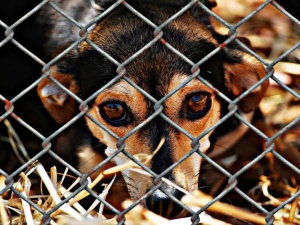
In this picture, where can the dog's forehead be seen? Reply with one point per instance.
(122, 34)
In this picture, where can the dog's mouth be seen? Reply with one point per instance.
(161, 204)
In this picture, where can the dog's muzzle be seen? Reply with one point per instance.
(163, 205)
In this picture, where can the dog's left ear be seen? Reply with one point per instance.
(242, 75)
(58, 103)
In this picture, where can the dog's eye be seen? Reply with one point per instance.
(197, 105)
(116, 113)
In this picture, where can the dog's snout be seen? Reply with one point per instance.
(163, 205)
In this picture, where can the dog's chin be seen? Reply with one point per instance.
(164, 206)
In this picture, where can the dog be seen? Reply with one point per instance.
(194, 107)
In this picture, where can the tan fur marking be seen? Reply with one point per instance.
(66, 110)
(185, 173)
(242, 76)
(124, 92)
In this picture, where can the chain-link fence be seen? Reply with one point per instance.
(260, 174)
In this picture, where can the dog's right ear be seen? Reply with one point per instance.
(60, 105)
(242, 71)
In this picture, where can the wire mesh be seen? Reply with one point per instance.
(45, 139)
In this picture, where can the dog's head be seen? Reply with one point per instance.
(158, 71)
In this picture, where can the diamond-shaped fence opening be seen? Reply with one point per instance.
(51, 170)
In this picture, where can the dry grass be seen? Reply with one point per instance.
(14, 210)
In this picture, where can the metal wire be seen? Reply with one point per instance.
(158, 36)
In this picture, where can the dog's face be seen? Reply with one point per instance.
(158, 71)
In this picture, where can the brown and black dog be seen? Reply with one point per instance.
(158, 71)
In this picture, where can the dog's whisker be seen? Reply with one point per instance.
(128, 177)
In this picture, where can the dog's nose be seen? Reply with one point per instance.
(163, 205)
